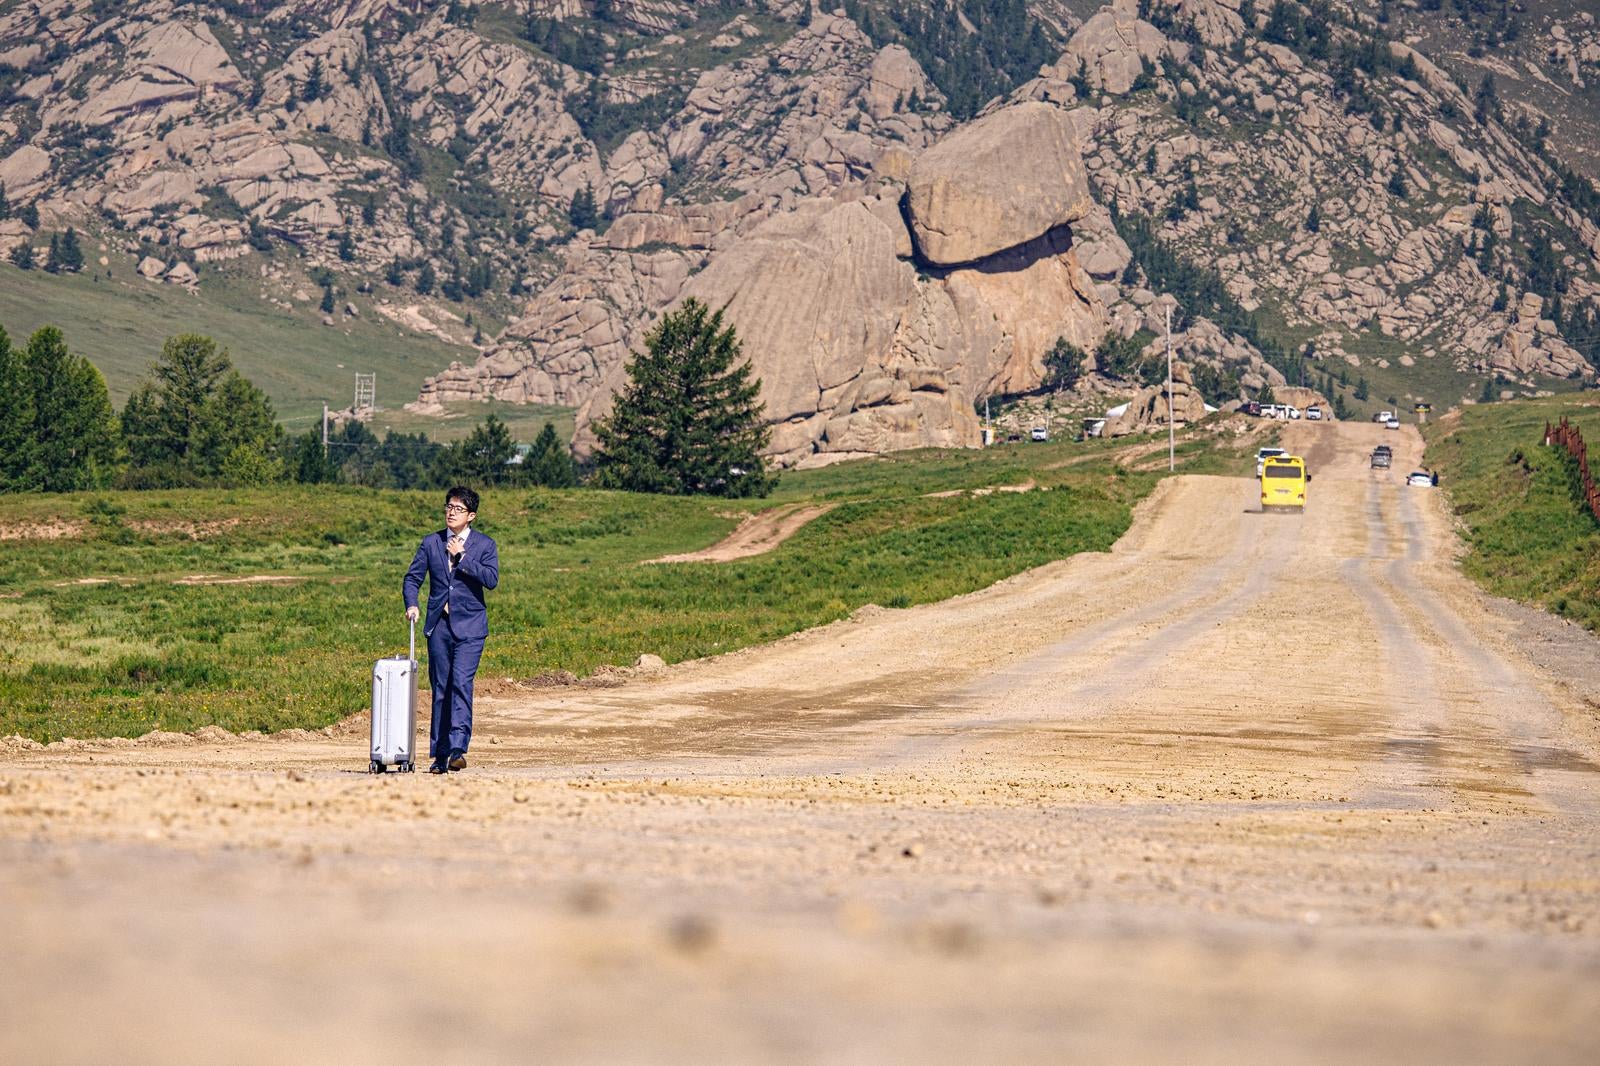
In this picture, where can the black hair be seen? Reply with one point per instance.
(464, 496)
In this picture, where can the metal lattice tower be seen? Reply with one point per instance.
(366, 392)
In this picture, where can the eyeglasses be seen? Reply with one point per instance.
(455, 508)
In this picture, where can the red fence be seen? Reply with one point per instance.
(1567, 436)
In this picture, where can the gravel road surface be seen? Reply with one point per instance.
(1247, 788)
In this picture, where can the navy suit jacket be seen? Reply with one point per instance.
(479, 569)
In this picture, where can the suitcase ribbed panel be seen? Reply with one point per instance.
(394, 708)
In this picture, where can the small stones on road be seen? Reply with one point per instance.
(589, 898)
(692, 934)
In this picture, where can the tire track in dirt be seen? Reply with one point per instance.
(1509, 733)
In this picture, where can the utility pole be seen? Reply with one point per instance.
(1172, 429)
(324, 429)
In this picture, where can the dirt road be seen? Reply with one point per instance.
(1246, 788)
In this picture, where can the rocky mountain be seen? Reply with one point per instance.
(904, 207)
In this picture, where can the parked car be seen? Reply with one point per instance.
(1381, 458)
(1420, 478)
(1383, 416)
(1039, 433)
(1314, 413)
(1393, 423)
(1251, 408)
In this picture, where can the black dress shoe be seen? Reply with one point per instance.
(436, 767)
(457, 760)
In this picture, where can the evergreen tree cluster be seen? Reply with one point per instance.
(58, 432)
(1199, 290)
(608, 122)
(568, 41)
(64, 253)
(195, 420)
(356, 456)
(1004, 47)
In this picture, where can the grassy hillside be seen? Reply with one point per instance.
(120, 323)
(99, 638)
(1530, 538)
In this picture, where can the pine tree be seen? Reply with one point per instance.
(549, 461)
(164, 416)
(52, 261)
(1488, 395)
(1397, 184)
(581, 213)
(16, 418)
(395, 274)
(22, 256)
(306, 461)
(688, 421)
(71, 251)
(347, 247)
(5, 205)
(327, 300)
(74, 439)
(482, 458)
(314, 86)
(1362, 389)
(425, 279)
(29, 214)
(237, 438)
(1314, 220)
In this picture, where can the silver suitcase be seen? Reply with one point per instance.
(394, 711)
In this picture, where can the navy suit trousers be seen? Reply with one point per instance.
(452, 663)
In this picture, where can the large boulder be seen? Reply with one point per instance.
(1112, 48)
(24, 171)
(1148, 410)
(997, 183)
(857, 355)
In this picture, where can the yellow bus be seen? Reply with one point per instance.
(1283, 483)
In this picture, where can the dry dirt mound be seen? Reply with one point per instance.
(756, 535)
(54, 529)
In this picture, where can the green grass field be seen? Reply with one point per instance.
(120, 324)
(1531, 539)
(98, 638)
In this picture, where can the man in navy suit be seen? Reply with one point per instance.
(460, 564)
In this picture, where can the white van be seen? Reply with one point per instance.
(1263, 454)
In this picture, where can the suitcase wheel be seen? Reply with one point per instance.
(375, 767)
